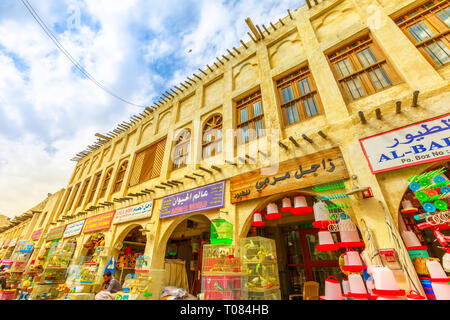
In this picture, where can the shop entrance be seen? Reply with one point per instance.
(183, 257)
(131, 247)
(299, 260)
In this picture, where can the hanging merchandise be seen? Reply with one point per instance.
(411, 241)
(326, 242)
(386, 287)
(349, 235)
(353, 262)
(301, 207)
(287, 205)
(414, 295)
(221, 232)
(332, 289)
(272, 212)
(257, 220)
(259, 256)
(322, 219)
(358, 290)
(408, 207)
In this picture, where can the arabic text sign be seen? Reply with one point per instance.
(99, 222)
(36, 234)
(55, 233)
(73, 229)
(138, 212)
(315, 169)
(200, 199)
(409, 146)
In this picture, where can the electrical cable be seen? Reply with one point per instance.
(69, 56)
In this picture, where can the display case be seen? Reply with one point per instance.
(259, 257)
(83, 281)
(224, 275)
(143, 286)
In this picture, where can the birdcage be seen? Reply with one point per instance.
(227, 287)
(221, 259)
(260, 259)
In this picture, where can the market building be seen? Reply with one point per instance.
(340, 101)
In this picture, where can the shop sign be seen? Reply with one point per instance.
(138, 212)
(13, 242)
(55, 233)
(195, 200)
(36, 234)
(73, 229)
(315, 169)
(100, 222)
(416, 144)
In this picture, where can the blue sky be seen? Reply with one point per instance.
(136, 48)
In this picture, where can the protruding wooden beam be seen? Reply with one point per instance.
(242, 160)
(190, 79)
(415, 98)
(159, 187)
(281, 21)
(309, 4)
(216, 168)
(323, 135)
(225, 58)
(255, 41)
(250, 24)
(250, 158)
(265, 29)
(231, 53)
(262, 35)
(290, 14)
(198, 175)
(189, 177)
(378, 113)
(99, 135)
(262, 153)
(294, 141)
(285, 147)
(179, 89)
(243, 43)
(220, 61)
(398, 107)
(273, 26)
(183, 86)
(232, 163)
(362, 117)
(202, 71)
(210, 69)
(206, 170)
(197, 76)
(237, 51)
(304, 136)
(166, 184)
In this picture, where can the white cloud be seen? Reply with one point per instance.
(134, 47)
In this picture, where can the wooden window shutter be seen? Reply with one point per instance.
(135, 174)
(148, 164)
(159, 155)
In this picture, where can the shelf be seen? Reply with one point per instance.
(134, 243)
(263, 289)
(260, 261)
(225, 274)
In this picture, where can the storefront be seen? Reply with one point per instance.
(412, 165)
(186, 223)
(281, 209)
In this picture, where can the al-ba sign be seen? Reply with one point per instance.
(416, 144)
(144, 210)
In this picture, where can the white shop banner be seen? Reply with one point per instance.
(73, 229)
(144, 210)
(416, 144)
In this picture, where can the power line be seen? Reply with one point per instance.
(49, 33)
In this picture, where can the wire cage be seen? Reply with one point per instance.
(224, 287)
(222, 259)
(260, 259)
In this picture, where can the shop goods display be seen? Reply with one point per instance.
(258, 220)
(82, 281)
(386, 287)
(326, 242)
(353, 262)
(332, 289)
(413, 295)
(259, 257)
(439, 280)
(142, 286)
(356, 287)
(350, 236)
(224, 275)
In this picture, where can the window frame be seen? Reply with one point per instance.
(120, 176)
(183, 142)
(362, 73)
(248, 102)
(430, 18)
(106, 179)
(83, 192)
(293, 80)
(214, 128)
(95, 185)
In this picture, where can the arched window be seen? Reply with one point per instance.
(181, 150)
(120, 176)
(106, 182)
(212, 136)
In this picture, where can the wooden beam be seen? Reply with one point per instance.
(362, 117)
(253, 29)
(273, 26)
(262, 35)
(290, 15)
(229, 162)
(294, 141)
(252, 37)
(323, 135)
(281, 21)
(189, 177)
(231, 53)
(415, 98)
(264, 27)
(101, 136)
(197, 76)
(285, 147)
(398, 107)
(243, 43)
(202, 71)
(378, 113)
(237, 51)
(304, 136)
(206, 170)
